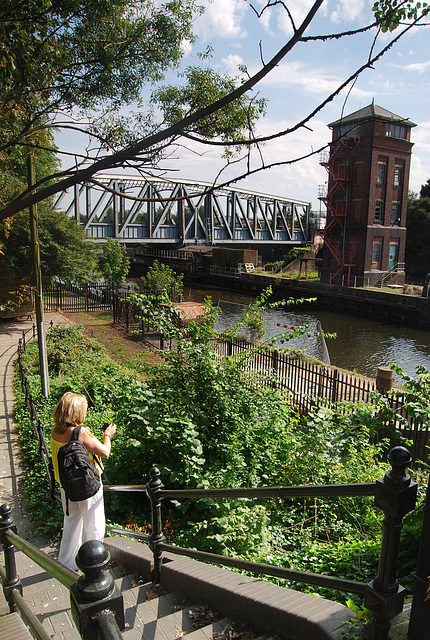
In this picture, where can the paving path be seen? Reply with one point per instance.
(48, 598)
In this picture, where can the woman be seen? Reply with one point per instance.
(84, 520)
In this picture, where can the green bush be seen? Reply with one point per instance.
(206, 422)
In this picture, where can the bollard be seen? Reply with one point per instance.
(384, 379)
(95, 594)
(395, 496)
(12, 579)
(153, 492)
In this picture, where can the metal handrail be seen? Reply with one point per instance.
(301, 491)
(66, 576)
(28, 616)
(317, 579)
(87, 592)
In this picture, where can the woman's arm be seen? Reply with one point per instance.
(94, 445)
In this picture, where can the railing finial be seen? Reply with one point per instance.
(400, 459)
(95, 595)
(92, 560)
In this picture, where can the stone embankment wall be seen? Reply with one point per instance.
(398, 308)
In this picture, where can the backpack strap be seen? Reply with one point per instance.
(96, 458)
(74, 438)
(76, 432)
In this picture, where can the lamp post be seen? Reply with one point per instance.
(37, 282)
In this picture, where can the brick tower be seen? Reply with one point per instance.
(366, 198)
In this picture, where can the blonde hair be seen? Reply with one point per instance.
(70, 411)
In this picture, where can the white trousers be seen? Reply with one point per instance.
(86, 521)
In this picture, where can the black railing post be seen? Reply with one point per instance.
(395, 495)
(153, 492)
(95, 595)
(275, 364)
(12, 579)
(419, 621)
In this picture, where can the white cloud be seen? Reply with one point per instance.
(310, 80)
(420, 161)
(186, 47)
(421, 67)
(231, 62)
(347, 10)
(298, 10)
(221, 18)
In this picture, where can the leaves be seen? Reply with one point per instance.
(114, 263)
(391, 13)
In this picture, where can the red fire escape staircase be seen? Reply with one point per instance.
(336, 217)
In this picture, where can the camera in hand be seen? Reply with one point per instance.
(106, 425)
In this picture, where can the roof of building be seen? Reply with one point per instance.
(372, 112)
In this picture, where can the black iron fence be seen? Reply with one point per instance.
(72, 298)
(308, 384)
(305, 384)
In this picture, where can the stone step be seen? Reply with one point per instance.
(153, 614)
(12, 627)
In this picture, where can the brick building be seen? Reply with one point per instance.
(366, 198)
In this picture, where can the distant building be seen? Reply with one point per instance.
(366, 197)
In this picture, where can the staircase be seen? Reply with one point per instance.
(201, 601)
(387, 276)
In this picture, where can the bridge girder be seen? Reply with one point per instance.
(183, 212)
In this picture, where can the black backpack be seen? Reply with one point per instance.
(78, 475)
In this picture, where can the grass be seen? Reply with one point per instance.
(122, 348)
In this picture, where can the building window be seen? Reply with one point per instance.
(356, 211)
(397, 131)
(397, 176)
(358, 173)
(379, 205)
(376, 253)
(341, 171)
(350, 130)
(395, 213)
(381, 173)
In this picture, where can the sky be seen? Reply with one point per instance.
(399, 82)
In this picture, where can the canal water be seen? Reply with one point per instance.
(361, 345)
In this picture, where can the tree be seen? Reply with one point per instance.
(417, 255)
(60, 60)
(114, 264)
(161, 277)
(65, 252)
(425, 190)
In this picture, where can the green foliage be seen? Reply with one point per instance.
(64, 250)
(417, 256)
(114, 264)
(85, 54)
(162, 277)
(206, 422)
(296, 252)
(416, 392)
(204, 86)
(391, 13)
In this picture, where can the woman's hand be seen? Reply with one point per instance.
(110, 430)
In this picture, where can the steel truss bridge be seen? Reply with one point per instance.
(158, 211)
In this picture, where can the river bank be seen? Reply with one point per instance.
(391, 307)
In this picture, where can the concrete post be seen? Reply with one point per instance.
(384, 379)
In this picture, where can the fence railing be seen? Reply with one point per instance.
(71, 298)
(306, 384)
(395, 495)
